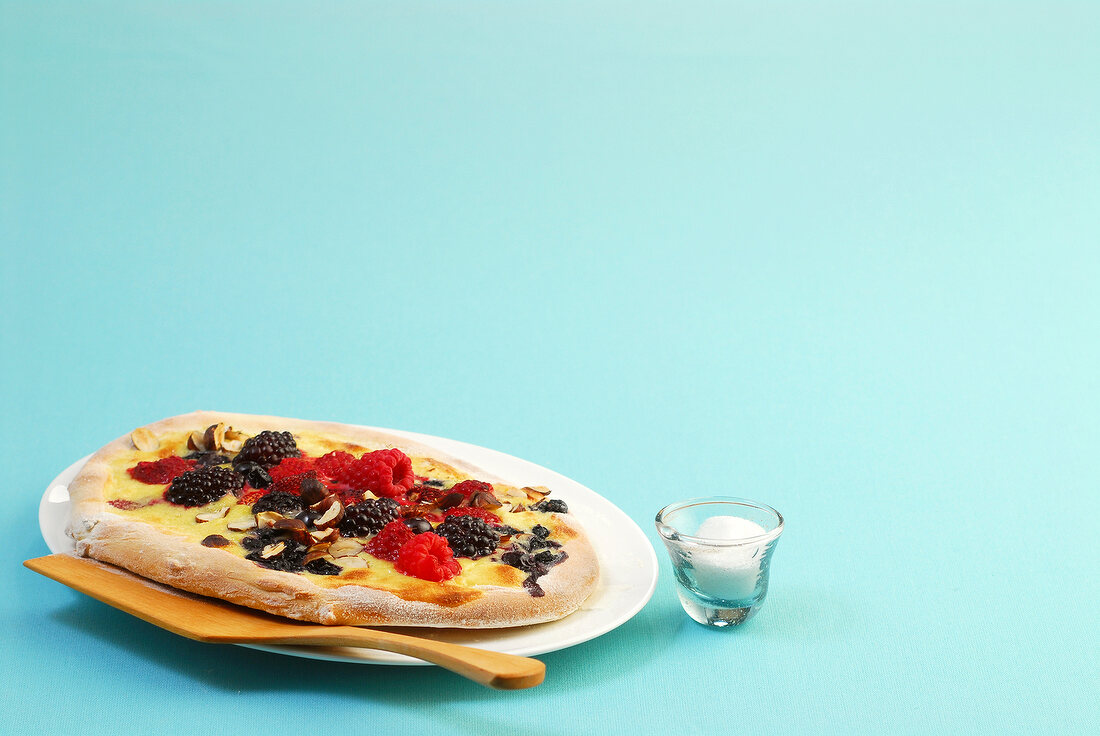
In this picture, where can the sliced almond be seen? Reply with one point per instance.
(266, 519)
(331, 517)
(484, 500)
(212, 515)
(197, 441)
(144, 440)
(325, 503)
(213, 436)
(345, 548)
(536, 494)
(348, 562)
(315, 552)
(325, 535)
(233, 440)
(272, 549)
(242, 525)
(297, 527)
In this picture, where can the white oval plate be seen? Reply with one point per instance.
(628, 564)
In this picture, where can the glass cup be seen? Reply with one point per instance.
(721, 549)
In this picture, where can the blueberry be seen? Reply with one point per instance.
(418, 526)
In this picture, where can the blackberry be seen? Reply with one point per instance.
(468, 536)
(285, 503)
(267, 449)
(368, 517)
(555, 505)
(256, 475)
(540, 531)
(201, 486)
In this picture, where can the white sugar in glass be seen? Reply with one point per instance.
(721, 551)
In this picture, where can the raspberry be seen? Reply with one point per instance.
(368, 517)
(335, 465)
(160, 472)
(202, 486)
(384, 472)
(467, 487)
(292, 483)
(429, 494)
(251, 496)
(390, 540)
(469, 536)
(291, 466)
(487, 516)
(427, 556)
(267, 449)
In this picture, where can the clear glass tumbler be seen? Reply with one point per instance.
(721, 549)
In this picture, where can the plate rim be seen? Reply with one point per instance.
(50, 515)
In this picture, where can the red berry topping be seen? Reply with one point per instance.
(390, 540)
(160, 472)
(386, 473)
(291, 466)
(468, 487)
(427, 556)
(291, 483)
(336, 465)
(484, 514)
(252, 495)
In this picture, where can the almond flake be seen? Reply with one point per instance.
(212, 515)
(272, 549)
(331, 517)
(264, 519)
(144, 440)
(197, 441)
(234, 440)
(325, 535)
(351, 562)
(241, 525)
(213, 436)
(345, 548)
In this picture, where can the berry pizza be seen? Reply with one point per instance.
(329, 523)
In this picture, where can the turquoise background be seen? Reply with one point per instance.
(842, 258)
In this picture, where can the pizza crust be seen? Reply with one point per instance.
(161, 555)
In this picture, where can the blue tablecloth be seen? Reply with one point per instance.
(840, 257)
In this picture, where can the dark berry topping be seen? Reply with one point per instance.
(536, 564)
(540, 531)
(256, 474)
(469, 536)
(287, 559)
(208, 458)
(418, 526)
(554, 505)
(267, 449)
(285, 503)
(368, 517)
(201, 486)
(260, 538)
(323, 567)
